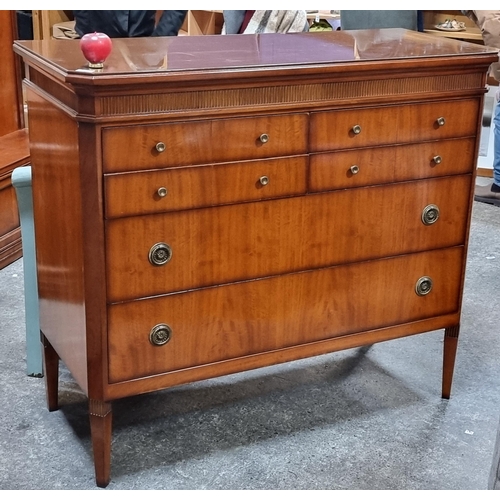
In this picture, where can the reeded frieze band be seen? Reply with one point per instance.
(289, 94)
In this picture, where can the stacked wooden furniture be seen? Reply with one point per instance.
(14, 147)
(44, 21)
(202, 22)
(265, 199)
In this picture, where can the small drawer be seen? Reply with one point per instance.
(177, 251)
(333, 130)
(160, 335)
(202, 142)
(208, 185)
(368, 166)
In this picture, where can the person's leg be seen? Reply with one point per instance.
(491, 192)
(496, 146)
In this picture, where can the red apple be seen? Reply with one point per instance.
(96, 47)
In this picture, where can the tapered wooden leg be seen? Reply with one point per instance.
(100, 428)
(449, 354)
(51, 373)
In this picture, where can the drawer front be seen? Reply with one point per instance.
(239, 242)
(202, 142)
(191, 187)
(227, 322)
(334, 130)
(363, 167)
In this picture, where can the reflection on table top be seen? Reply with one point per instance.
(256, 53)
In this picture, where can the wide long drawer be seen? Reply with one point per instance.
(183, 330)
(333, 130)
(156, 254)
(180, 188)
(142, 147)
(362, 167)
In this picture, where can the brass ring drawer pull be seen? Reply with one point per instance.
(264, 138)
(160, 147)
(160, 254)
(423, 286)
(437, 159)
(430, 214)
(356, 129)
(264, 180)
(162, 192)
(441, 121)
(160, 334)
(354, 169)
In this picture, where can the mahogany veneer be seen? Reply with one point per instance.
(14, 152)
(14, 146)
(201, 211)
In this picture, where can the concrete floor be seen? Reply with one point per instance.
(362, 419)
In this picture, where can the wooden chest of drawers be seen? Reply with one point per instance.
(203, 215)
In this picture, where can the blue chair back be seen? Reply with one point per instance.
(375, 19)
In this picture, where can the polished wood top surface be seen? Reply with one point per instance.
(168, 56)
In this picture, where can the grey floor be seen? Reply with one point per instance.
(362, 419)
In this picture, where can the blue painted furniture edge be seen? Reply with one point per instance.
(21, 180)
